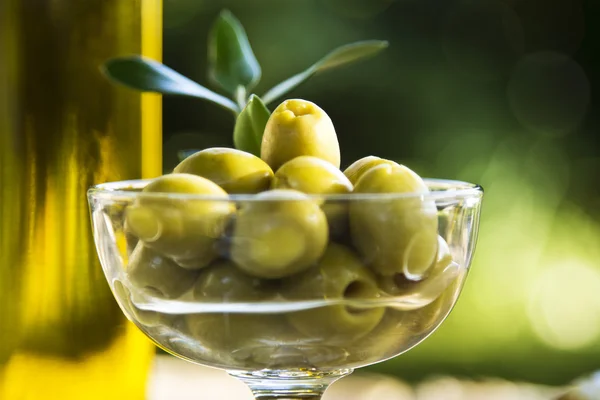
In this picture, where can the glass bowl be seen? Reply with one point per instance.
(287, 293)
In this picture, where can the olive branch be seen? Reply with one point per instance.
(234, 68)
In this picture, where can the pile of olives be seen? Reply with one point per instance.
(284, 227)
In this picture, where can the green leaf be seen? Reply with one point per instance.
(231, 60)
(250, 126)
(148, 75)
(341, 56)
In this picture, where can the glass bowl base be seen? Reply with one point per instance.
(299, 384)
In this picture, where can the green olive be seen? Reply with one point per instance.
(359, 167)
(136, 315)
(299, 128)
(148, 270)
(282, 233)
(400, 330)
(395, 234)
(339, 276)
(223, 282)
(184, 229)
(312, 175)
(234, 170)
(438, 278)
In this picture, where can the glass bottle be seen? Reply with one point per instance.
(63, 128)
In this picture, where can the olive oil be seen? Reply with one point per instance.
(63, 128)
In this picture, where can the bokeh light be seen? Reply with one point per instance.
(549, 93)
(483, 39)
(565, 305)
(557, 25)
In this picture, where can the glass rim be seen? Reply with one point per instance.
(130, 190)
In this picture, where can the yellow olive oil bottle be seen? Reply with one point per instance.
(63, 128)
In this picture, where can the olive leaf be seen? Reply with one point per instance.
(231, 60)
(341, 56)
(151, 76)
(233, 67)
(250, 126)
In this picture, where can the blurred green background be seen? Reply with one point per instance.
(495, 92)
